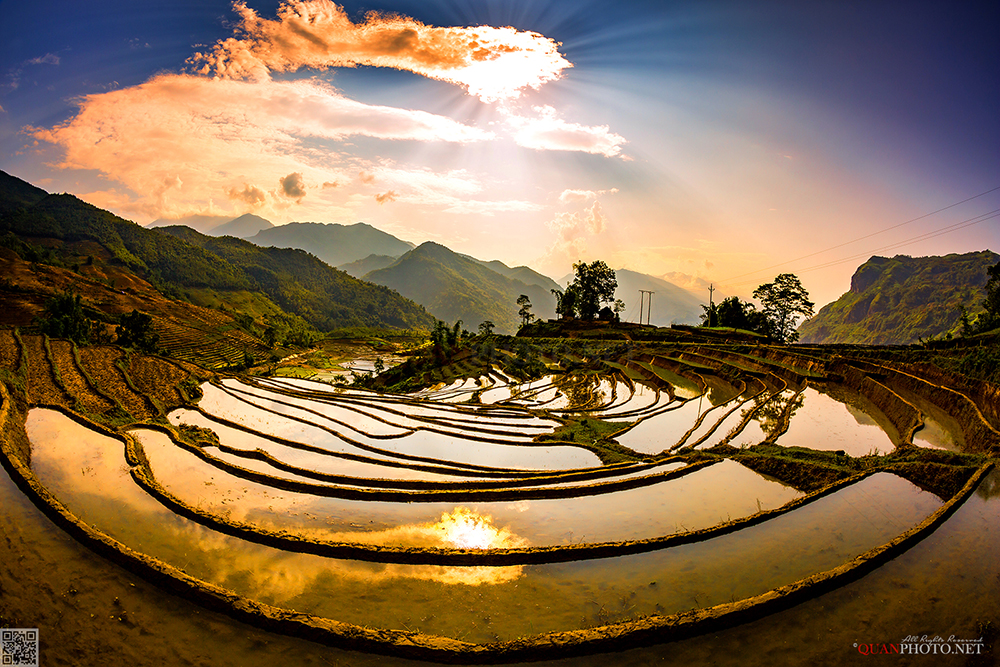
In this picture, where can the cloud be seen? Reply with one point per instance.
(366, 177)
(575, 196)
(386, 197)
(218, 135)
(453, 191)
(572, 231)
(548, 132)
(590, 220)
(250, 194)
(330, 184)
(490, 63)
(47, 59)
(14, 74)
(292, 186)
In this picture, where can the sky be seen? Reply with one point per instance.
(703, 141)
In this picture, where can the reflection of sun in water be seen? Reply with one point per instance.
(466, 529)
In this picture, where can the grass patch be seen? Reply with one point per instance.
(940, 472)
(594, 434)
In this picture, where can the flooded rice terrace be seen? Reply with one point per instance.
(436, 524)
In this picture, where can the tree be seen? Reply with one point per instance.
(736, 314)
(594, 285)
(64, 318)
(565, 302)
(135, 329)
(990, 319)
(710, 318)
(782, 301)
(486, 328)
(525, 313)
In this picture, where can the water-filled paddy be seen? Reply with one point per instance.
(821, 422)
(661, 431)
(301, 426)
(475, 603)
(700, 499)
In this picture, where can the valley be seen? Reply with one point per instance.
(316, 466)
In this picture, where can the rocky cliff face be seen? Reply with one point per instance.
(902, 299)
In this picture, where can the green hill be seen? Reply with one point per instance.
(452, 286)
(526, 275)
(359, 268)
(903, 299)
(179, 261)
(332, 243)
(301, 283)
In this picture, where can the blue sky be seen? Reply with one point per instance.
(710, 140)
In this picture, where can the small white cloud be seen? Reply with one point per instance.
(549, 132)
(575, 196)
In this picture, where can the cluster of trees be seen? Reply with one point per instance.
(989, 319)
(446, 340)
(66, 317)
(782, 302)
(591, 294)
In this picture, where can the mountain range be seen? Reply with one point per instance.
(899, 300)
(183, 263)
(247, 224)
(454, 286)
(333, 243)
(669, 304)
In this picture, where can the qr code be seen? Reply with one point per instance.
(19, 646)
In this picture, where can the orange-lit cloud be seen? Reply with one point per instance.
(386, 197)
(292, 186)
(549, 132)
(178, 141)
(250, 194)
(491, 63)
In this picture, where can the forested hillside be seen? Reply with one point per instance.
(452, 286)
(181, 261)
(902, 299)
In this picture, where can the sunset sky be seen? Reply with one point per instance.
(728, 141)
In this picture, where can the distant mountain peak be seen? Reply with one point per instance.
(246, 225)
(333, 243)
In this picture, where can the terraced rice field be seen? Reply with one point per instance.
(472, 521)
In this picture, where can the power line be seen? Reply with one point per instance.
(860, 238)
(968, 222)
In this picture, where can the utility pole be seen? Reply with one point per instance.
(649, 308)
(711, 306)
